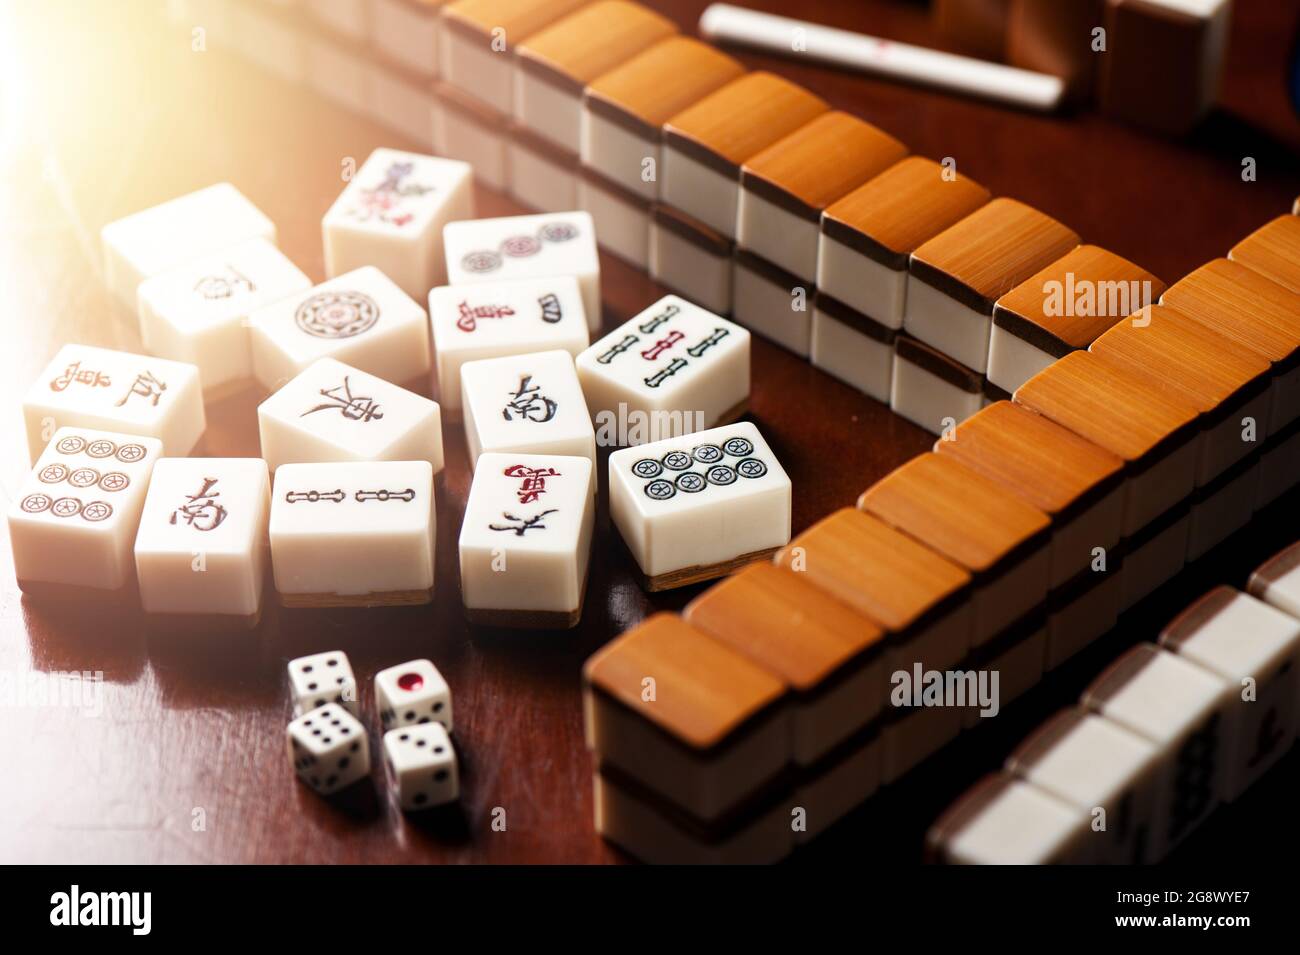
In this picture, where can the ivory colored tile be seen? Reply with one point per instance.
(829, 655)
(690, 258)
(707, 729)
(1005, 821)
(406, 32)
(541, 175)
(556, 63)
(623, 110)
(957, 276)
(930, 389)
(1273, 250)
(1155, 435)
(784, 188)
(997, 537)
(471, 131)
(1277, 581)
(868, 236)
(1260, 314)
(772, 302)
(1064, 307)
(348, 18)
(706, 144)
(621, 216)
(852, 347)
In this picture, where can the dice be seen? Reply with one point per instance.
(198, 312)
(201, 549)
(321, 679)
(88, 387)
(530, 404)
(390, 215)
(672, 369)
(361, 317)
(421, 766)
(73, 523)
(335, 412)
(412, 694)
(328, 748)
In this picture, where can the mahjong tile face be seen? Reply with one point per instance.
(361, 318)
(334, 412)
(73, 521)
(471, 322)
(527, 404)
(91, 387)
(676, 359)
(695, 503)
(521, 247)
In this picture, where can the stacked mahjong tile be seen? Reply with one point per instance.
(1161, 738)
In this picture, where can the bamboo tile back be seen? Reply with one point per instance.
(663, 80)
(596, 39)
(517, 18)
(1273, 250)
(1241, 304)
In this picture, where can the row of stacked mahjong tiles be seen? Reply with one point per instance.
(750, 196)
(1159, 740)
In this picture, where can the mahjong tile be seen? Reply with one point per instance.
(701, 505)
(671, 369)
(334, 412)
(1006, 821)
(86, 387)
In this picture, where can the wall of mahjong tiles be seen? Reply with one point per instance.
(111, 110)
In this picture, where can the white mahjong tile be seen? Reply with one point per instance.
(198, 312)
(361, 318)
(74, 519)
(360, 532)
(471, 322)
(391, 213)
(334, 412)
(1005, 821)
(407, 33)
(1277, 581)
(527, 404)
(699, 500)
(678, 367)
(525, 540)
(156, 239)
(201, 547)
(525, 247)
(87, 387)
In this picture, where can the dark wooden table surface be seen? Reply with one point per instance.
(105, 109)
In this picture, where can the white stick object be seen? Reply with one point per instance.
(1007, 84)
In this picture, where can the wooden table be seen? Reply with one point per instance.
(184, 760)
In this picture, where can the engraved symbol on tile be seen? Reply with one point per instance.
(652, 324)
(661, 346)
(384, 495)
(520, 246)
(751, 468)
(521, 525)
(551, 310)
(527, 403)
(707, 453)
(480, 262)
(114, 481)
(617, 349)
(36, 503)
(74, 374)
(72, 444)
(84, 477)
(677, 460)
(148, 386)
(66, 507)
(224, 285)
(647, 468)
(1194, 777)
(311, 497)
(384, 200)
(97, 511)
(704, 344)
(130, 453)
(533, 481)
(663, 374)
(350, 406)
(557, 232)
(201, 510)
(738, 447)
(721, 475)
(690, 482)
(53, 473)
(101, 448)
(660, 490)
(470, 315)
(343, 314)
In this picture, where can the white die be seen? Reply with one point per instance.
(391, 214)
(672, 369)
(328, 748)
(86, 387)
(525, 541)
(201, 547)
(73, 521)
(334, 412)
(412, 693)
(198, 312)
(701, 501)
(320, 679)
(527, 247)
(502, 318)
(164, 236)
(422, 765)
(361, 318)
(353, 533)
(528, 404)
